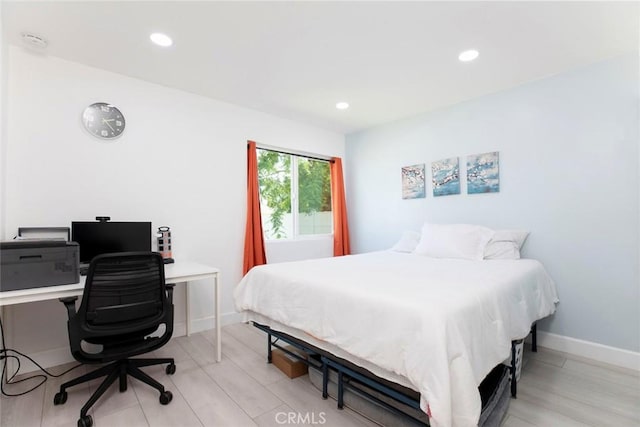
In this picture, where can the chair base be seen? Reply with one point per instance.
(117, 370)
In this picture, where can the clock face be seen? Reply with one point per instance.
(103, 120)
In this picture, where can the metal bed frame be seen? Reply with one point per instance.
(350, 379)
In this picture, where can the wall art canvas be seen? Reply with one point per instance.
(413, 182)
(445, 177)
(483, 173)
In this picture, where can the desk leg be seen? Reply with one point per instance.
(217, 317)
(188, 307)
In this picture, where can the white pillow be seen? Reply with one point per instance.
(464, 241)
(505, 244)
(408, 242)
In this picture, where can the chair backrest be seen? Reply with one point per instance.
(125, 299)
(124, 289)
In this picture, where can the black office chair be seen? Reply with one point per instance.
(125, 300)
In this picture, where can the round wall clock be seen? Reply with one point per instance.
(103, 120)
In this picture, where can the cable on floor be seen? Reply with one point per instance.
(5, 379)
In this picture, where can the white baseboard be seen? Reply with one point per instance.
(62, 355)
(206, 323)
(59, 356)
(230, 318)
(46, 359)
(602, 353)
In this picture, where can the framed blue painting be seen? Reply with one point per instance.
(483, 173)
(413, 182)
(445, 177)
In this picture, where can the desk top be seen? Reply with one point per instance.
(178, 272)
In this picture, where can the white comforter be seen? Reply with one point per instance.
(441, 323)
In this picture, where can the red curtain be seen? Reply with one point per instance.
(339, 207)
(253, 236)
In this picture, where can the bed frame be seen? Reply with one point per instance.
(349, 377)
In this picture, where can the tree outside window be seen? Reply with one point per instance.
(295, 195)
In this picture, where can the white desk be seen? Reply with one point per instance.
(179, 272)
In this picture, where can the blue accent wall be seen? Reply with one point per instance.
(568, 150)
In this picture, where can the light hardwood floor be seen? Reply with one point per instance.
(555, 389)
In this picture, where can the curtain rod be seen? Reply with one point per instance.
(293, 154)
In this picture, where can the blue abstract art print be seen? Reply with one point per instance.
(483, 173)
(445, 177)
(413, 182)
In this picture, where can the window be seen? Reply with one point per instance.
(295, 195)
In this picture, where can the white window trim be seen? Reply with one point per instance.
(294, 194)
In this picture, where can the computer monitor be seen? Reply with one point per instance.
(96, 238)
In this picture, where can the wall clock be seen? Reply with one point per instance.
(103, 120)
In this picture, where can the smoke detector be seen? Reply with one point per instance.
(34, 41)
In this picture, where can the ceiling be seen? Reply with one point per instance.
(389, 60)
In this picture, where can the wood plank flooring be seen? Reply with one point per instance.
(555, 389)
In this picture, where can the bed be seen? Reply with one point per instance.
(437, 326)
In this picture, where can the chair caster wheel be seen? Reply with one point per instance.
(171, 369)
(86, 421)
(165, 397)
(60, 398)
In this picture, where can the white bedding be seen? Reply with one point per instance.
(443, 324)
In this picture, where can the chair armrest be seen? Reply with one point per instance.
(169, 287)
(70, 303)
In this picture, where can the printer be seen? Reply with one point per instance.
(28, 264)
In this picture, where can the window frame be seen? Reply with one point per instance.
(294, 197)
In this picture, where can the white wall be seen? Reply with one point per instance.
(290, 250)
(3, 122)
(181, 162)
(568, 173)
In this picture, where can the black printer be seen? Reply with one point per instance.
(35, 263)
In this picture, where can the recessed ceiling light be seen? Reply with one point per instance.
(161, 39)
(342, 105)
(468, 55)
